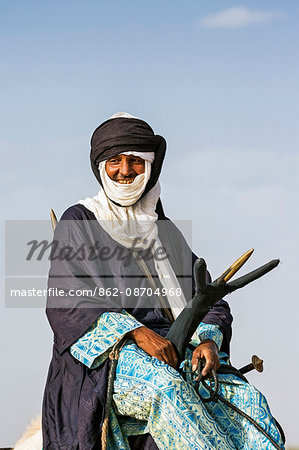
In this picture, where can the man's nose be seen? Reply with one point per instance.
(126, 168)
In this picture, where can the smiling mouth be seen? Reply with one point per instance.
(128, 181)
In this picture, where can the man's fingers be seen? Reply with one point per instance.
(252, 276)
(194, 363)
(209, 364)
(208, 367)
(168, 355)
(200, 269)
(174, 358)
(171, 357)
(207, 353)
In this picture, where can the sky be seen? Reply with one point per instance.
(219, 80)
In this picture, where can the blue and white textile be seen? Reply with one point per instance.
(93, 347)
(152, 397)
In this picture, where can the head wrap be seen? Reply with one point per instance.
(121, 134)
(147, 156)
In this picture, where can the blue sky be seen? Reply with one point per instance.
(219, 80)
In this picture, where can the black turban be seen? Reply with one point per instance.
(121, 135)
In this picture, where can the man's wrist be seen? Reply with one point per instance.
(133, 335)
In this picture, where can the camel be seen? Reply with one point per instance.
(32, 438)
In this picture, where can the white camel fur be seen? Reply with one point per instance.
(32, 438)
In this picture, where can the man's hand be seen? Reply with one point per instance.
(155, 345)
(206, 296)
(209, 351)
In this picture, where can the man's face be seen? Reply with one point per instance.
(124, 168)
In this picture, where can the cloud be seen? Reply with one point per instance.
(238, 17)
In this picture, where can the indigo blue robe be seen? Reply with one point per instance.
(74, 397)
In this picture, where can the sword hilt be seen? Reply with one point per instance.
(256, 364)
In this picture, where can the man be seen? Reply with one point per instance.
(127, 288)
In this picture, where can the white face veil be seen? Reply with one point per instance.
(127, 194)
(136, 218)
